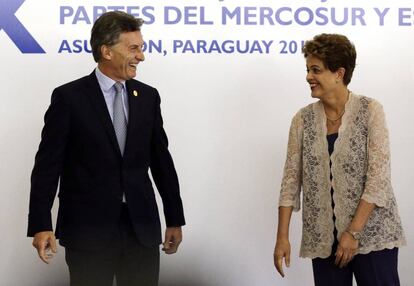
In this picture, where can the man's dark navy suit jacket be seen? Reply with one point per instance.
(80, 148)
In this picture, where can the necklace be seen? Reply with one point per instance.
(333, 121)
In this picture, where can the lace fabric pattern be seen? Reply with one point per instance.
(360, 170)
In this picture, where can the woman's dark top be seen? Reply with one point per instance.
(331, 141)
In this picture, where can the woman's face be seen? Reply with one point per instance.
(321, 80)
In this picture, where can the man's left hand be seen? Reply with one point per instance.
(173, 238)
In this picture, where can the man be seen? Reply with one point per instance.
(102, 132)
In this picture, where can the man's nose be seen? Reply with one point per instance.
(140, 56)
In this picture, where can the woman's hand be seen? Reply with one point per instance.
(282, 250)
(346, 249)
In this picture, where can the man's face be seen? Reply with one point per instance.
(125, 56)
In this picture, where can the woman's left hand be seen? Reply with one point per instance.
(346, 250)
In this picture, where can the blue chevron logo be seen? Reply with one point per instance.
(11, 25)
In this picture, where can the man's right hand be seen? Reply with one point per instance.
(45, 243)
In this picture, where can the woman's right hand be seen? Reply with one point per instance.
(282, 250)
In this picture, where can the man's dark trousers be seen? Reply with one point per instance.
(127, 259)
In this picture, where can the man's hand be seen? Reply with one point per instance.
(173, 238)
(346, 249)
(282, 250)
(45, 243)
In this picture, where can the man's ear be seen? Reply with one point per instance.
(106, 52)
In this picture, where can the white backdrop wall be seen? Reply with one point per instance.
(227, 116)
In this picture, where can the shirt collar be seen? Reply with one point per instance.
(106, 83)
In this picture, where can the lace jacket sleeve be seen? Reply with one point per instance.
(292, 175)
(378, 189)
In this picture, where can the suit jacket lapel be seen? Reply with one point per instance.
(95, 94)
(135, 112)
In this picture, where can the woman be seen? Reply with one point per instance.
(338, 154)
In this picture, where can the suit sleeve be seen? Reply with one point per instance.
(48, 165)
(163, 172)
